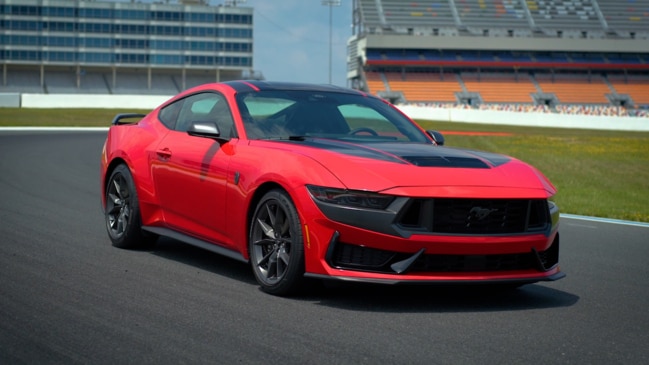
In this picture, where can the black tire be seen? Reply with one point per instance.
(122, 215)
(276, 244)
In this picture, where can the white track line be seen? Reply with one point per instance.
(605, 220)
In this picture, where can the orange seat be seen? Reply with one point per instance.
(578, 91)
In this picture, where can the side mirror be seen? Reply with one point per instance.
(206, 130)
(437, 137)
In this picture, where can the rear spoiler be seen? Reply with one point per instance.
(118, 118)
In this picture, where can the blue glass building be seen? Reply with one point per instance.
(119, 47)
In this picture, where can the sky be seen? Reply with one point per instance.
(291, 40)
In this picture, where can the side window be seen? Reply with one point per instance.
(169, 114)
(206, 107)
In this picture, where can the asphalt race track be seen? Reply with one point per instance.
(67, 296)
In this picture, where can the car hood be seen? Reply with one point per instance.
(403, 168)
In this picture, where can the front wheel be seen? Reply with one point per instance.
(276, 244)
(123, 221)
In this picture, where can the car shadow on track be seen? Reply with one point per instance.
(431, 298)
(202, 259)
(381, 298)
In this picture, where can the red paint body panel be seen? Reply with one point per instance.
(207, 189)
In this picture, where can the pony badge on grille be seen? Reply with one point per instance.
(478, 214)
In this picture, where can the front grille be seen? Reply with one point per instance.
(475, 216)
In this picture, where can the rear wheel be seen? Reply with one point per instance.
(123, 220)
(276, 244)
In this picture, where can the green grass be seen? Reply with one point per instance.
(59, 117)
(597, 173)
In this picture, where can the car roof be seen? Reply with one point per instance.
(256, 85)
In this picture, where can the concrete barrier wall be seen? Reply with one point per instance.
(527, 119)
(67, 101)
(130, 102)
(9, 100)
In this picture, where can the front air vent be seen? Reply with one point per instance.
(353, 257)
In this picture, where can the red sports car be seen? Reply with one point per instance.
(306, 181)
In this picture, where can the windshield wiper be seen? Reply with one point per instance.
(298, 138)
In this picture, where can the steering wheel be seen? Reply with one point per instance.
(363, 129)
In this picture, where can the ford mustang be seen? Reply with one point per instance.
(313, 181)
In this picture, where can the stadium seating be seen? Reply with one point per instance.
(22, 81)
(61, 82)
(635, 87)
(568, 81)
(131, 82)
(501, 87)
(406, 16)
(627, 16)
(94, 83)
(444, 74)
(425, 86)
(375, 82)
(66, 81)
(564, 15)
(507, 14)
(575, 89)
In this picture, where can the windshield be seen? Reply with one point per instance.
(281, 114)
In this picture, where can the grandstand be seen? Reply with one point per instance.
(119, 47)
(493, 52)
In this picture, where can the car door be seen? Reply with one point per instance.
(191, 173)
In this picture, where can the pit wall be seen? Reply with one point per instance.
(534, 119)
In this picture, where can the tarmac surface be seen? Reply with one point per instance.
(68, 296)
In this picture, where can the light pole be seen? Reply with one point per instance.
(330, 4)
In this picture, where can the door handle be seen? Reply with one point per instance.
(164, 153)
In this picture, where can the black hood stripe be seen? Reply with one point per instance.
(419, 154)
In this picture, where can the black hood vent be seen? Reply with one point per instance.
(446, 161)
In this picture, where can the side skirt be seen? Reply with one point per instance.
(166, 232)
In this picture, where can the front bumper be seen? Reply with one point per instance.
(426, 240)
(358, 263)
(354, 257)
(488, 280)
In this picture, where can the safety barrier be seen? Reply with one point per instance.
(534, 119)
(531, 119)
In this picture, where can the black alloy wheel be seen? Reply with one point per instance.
(276, 244)
(123, 221)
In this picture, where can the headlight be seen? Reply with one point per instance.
(350, 198)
